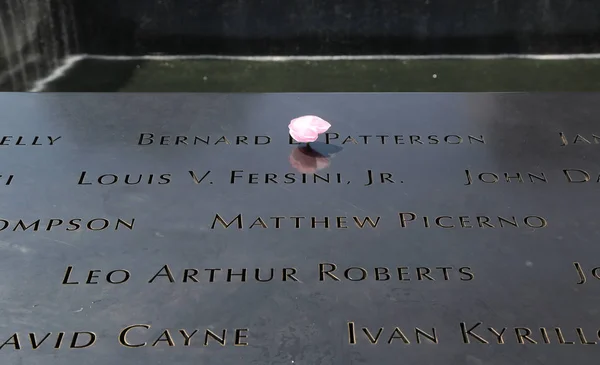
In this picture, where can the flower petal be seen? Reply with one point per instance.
(319, 124)
(307, 135)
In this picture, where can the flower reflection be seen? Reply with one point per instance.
(306, 160)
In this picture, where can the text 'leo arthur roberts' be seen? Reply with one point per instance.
(403, 220)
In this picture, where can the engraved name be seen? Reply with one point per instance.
(331, 272)
(326, 271)
(405, 220)
(56, 340)
(125, 179)
(581, 176)
(408, 219)
(399, 139)
(147, 139)
(389, 336)
(278, 222)
(471, 333)
(70, 225)
(241, 176)
(28, 141)
(133, 336)
(491, 177)
(182, 337)
(476, 333)
(585, 139)
(506, 177)
(581, 273)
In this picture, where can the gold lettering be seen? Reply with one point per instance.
(257, 276)
(351, 333)
(421, 274)
(580, 273)
(544, 335)
(370, 336)
(167, 274)
(123, 335)
(240, 334)
(59, 339)
(290, 274)
(403, 220)
(33, 340)
(258, 222)
(230, 274)
(322, 272)
(469, 332)
(584, 178)
(524, 336)
(12, 340)
(314, 222)
(561, 338)
(67, 275)
(90, 342)
(167, 338)
(398, 334)
(361, 224)
(363, 274)
(467, 272)
(432, 338)
(498, 334)
(220, 340)
(563, 139)
(237, 219)
(582, 338)
(187, 275)
(187, 337)
(580, 137)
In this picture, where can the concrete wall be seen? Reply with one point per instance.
(35, 35)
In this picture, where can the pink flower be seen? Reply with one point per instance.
(307, 128)
(307, 161)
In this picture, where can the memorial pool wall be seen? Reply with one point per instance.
(36, 35)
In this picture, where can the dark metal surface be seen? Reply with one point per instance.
(519, 279)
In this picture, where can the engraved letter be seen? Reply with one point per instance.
(239, 336)
(146, 137)
(187, 337)
(81, 178)
(167, 338)
(237, 219)
(469, 332)
(361, 224)
(322, 272)
(524, 336)
(582, 179)
(167, 274)
(403, 220)
(563, 139)
(419, 332)
(123, 335)
(220, 340)
(580, 273)
(88, 344)
(370, 336)
(15, 342)
(196, 180)
(469, 179)
(33, 340)
(351, 333)
(67, 275)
